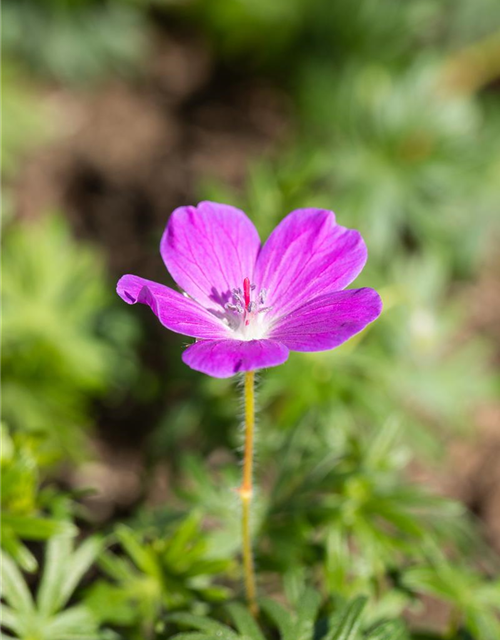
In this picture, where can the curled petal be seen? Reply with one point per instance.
(328, 320)
(209, 250)
(174, 310)
(307, 255)
(225, 358)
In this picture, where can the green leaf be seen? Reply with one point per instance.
(10, 619)
(183, 535)
(20, 554)
(76, 623)
(80, 563)
(139, 553)
(63, 570)
(391, 630)
(116, 567)
(279, 615)
(345, 624)
(15, 590)
(195, 635)
(244, 621)
(222, 631)
(54, 573)
(33, 528)
(306, 615)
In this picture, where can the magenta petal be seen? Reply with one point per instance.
(308, 254)
(209, 250)
(174, 310)
(225, 358)
(328, 320)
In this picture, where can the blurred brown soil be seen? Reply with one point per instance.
(127, 154)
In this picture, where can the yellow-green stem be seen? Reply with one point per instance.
(246, 491)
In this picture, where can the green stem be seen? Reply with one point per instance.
(246, 493)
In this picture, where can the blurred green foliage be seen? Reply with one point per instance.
(63, 342)
(343, 624)
(75, 42)
(401, 161)
(23, 127)
(336, 508)
(22, 501)
(476, 604)
(160, 571)
(47, 617)
(394, 125)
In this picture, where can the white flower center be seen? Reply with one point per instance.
(246, 317)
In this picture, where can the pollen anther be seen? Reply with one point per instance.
(234, 307)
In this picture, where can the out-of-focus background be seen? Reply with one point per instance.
(116, 112)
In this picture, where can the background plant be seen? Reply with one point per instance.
(386, 112)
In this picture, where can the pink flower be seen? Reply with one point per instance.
(247, 305)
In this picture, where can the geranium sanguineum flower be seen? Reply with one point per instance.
(248, 305)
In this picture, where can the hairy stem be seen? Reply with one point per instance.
(246, 491)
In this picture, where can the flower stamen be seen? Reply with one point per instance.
(234, 307)
(238, 295)
(250, 324)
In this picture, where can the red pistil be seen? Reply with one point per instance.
(246, 292)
